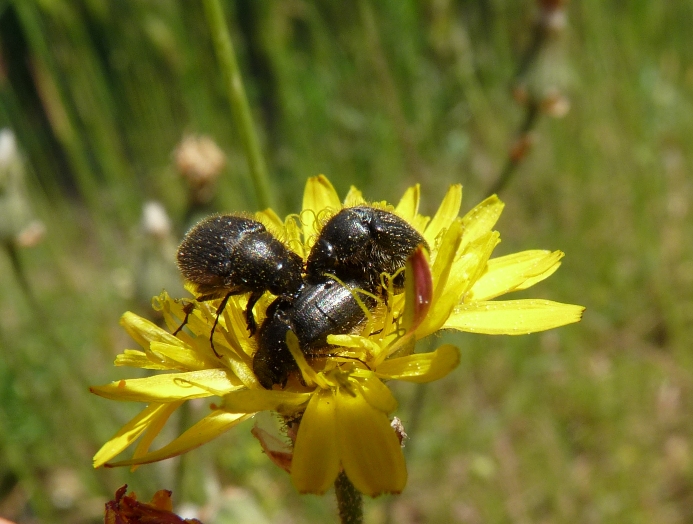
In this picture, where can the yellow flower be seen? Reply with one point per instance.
(342, 401)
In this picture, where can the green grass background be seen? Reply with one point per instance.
(589, 423)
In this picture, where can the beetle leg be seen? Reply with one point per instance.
(249, 317)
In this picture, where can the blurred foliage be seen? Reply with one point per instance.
(588, 423)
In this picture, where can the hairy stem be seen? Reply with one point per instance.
(349, 501)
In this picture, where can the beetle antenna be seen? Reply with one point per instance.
(188, 308)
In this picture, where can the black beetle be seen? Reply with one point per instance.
(227, 255)
(362, 242)
(323, 308)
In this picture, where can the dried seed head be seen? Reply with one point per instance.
(200, 161)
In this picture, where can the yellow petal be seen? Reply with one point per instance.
(294, 235)
(170, 386)
(481, 218)
(515, 272)
(198, 322)
(135, 358)
(368, 446)
(377, 394)
(408, 206)
(234, 332)
(270, 219)
(205, 430)
(354, 198)
(143, 331)
(182, 357)
(154, 429)
(132, 430)
(315, 465)
(472, 263)
(255, 400)
(246, 375)
(421, 367)
(444, 258)
(446, 214)
(318, 195)
(513, 317)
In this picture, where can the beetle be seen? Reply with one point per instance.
(361, 243)
(322, 308)
(226, 255)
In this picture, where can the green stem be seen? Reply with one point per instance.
(237, 97)
(349, 501)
